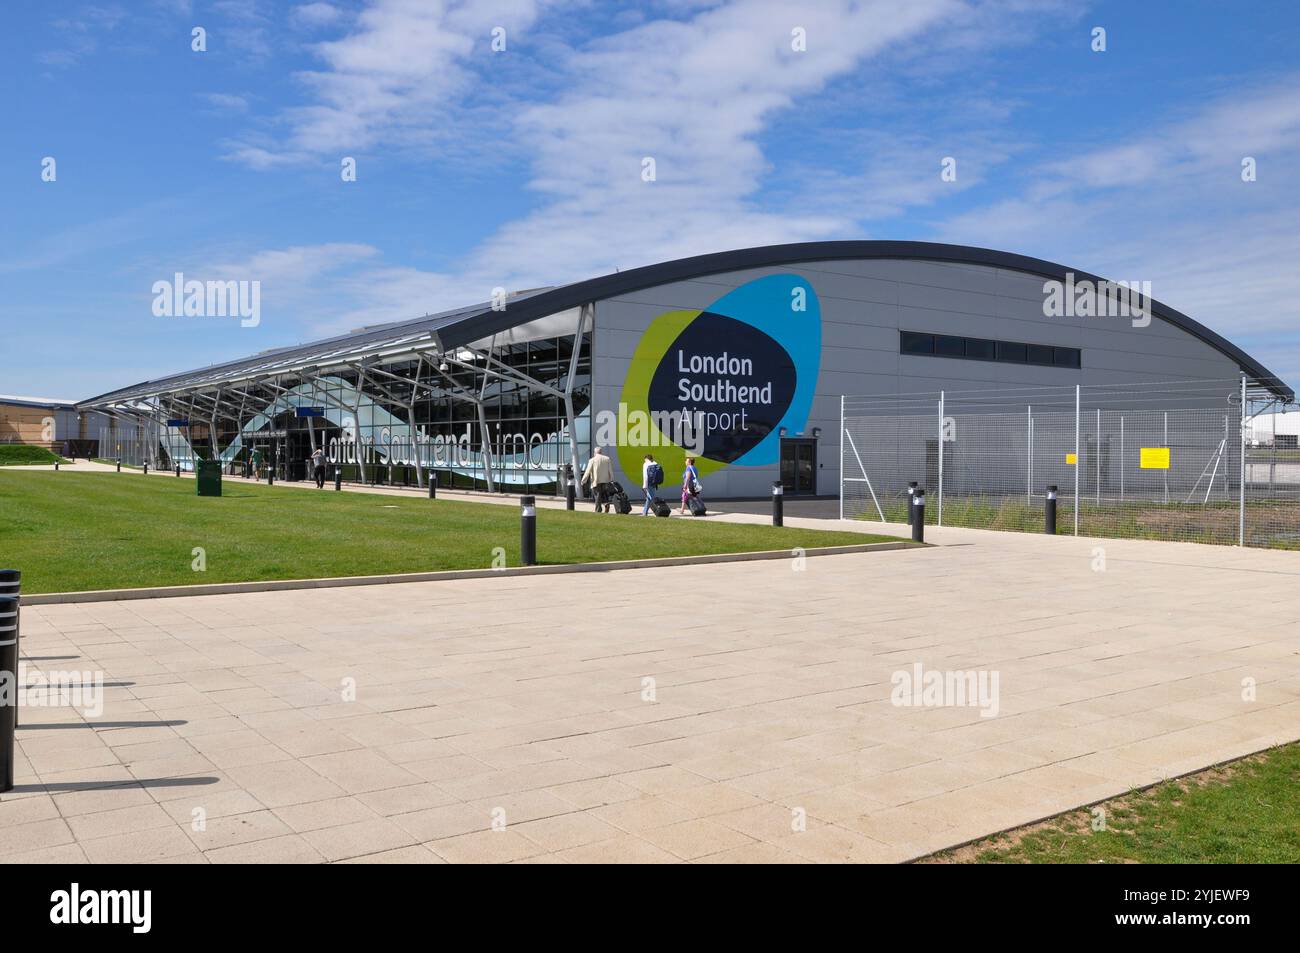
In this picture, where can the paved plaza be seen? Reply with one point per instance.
(723, 713)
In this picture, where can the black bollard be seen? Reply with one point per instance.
(11, 582)
(1049, 511)
(911, 489)
(270, 476)
(778, 504)
(146, 468)
(528, 531)
(9, 675)
(570, 487)
(433, 484)
(338, 478)
(918, 516)
(178, 471)
(119, 466)
(56, 466)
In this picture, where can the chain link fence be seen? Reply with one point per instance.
(1166, 460)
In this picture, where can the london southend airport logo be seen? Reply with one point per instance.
(722, 382)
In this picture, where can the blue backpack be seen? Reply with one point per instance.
(656, 475)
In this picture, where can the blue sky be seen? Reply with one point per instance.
(479, 168)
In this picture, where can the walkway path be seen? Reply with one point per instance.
(730, 712)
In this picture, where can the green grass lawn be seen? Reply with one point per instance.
(77, 531)
(24, 455)
(1246, 812)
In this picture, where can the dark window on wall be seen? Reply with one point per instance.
(1040, 354)
(914, 343)
(1011, 352)
(1066, 356)
(983, 349)
(945, 345)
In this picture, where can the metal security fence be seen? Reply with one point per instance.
(1165, 460)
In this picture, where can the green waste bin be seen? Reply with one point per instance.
(209, 478)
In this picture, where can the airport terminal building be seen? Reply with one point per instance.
(739, 358)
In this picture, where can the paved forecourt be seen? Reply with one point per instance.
(731, 712)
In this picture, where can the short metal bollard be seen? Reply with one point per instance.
(1049, 511)
(338, 478)
(119, 466)
(570, 487)
(56, 466)
(918, 516)
(178, 471)
(11, 582)
(270, 476)
(146, 468)
(911, 490)
(528, 530)
(778, 504)
(8, 698)
(433, 484)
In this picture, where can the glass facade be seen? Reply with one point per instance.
(491, 417)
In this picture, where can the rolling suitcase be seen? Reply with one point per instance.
(660, 507)
(619, 498)
(695, 505)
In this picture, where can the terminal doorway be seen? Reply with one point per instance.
(799, 465)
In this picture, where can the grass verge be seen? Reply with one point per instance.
(1243, 812)
(25, 455)
(71, 532)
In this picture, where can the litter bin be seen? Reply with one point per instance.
(209, 478)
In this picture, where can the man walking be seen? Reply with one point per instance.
(599, 474)
(652, 476)
(318, 467)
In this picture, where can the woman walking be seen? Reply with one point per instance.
(690, 482)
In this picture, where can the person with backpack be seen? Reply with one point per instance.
(652, 477)
(690, 483)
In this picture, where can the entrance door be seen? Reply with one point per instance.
(799, 464)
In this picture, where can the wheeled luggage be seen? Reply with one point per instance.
(659, 506)
(695, 505)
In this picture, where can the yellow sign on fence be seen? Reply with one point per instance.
(1155, 458)
(1071, 459)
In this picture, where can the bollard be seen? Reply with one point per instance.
(918, 516)
(911, 490)
(528, 531)
(178, 471)
(270, 476)
(146, 468)
(433, 484)
(1050, 511)
(11, 581)
(56, 466)
(119, 466)
(778, 504)
(570, 487)
(338, 478)
(8, 698)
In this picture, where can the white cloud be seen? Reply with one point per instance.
(1168, 205)
(314, 15)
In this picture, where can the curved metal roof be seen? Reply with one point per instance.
(458, 328)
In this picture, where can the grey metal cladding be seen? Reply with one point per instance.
(952, 286)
